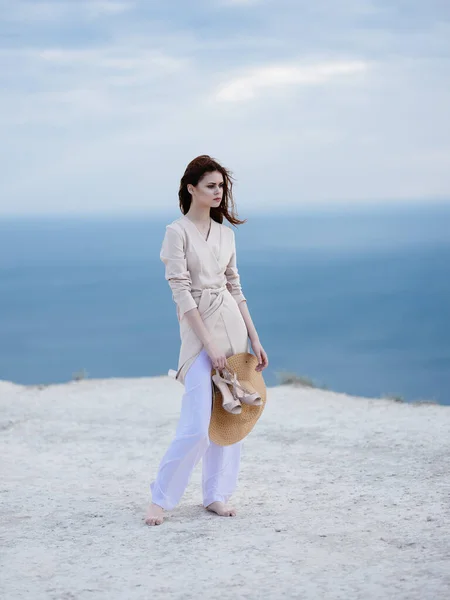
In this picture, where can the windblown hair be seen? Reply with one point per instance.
(195, 171)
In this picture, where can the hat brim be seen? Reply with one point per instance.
(225, 428)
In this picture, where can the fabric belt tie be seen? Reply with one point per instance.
(207, 304)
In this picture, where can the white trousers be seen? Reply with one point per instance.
(220, 468)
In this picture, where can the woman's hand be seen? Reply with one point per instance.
(260, 354)
(218, 358)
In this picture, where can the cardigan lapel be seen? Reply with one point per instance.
(212, 245)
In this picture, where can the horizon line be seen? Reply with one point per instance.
(282, 210)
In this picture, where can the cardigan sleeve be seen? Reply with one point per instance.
(232, 275)
(173, 256)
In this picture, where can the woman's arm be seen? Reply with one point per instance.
(217, 356)
(234, 285)
(252, 333)
(259, 351)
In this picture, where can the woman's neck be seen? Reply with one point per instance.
(199, 215)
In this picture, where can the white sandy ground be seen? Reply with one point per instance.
(339, 497)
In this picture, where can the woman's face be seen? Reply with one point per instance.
(209, 190)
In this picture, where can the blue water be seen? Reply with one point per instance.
(357, 300)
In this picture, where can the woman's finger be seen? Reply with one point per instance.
(263, 360)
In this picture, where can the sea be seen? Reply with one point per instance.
(356, 300)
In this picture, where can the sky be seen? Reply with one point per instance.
(103, 103)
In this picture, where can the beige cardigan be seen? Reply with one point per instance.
(203, 273)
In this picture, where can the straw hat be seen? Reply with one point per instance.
(225, 428)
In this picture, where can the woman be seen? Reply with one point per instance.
(199, 254)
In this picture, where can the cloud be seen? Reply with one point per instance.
(29, 11)
(74, 84)
(248, 86)
(240, 2)
(102, 104)
(100, 7)
(117, 58)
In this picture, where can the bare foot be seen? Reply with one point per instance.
(222, 509)
(155, 515)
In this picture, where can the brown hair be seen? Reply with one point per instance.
(195, 170)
